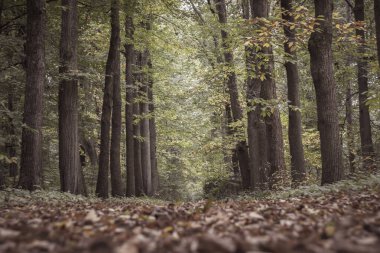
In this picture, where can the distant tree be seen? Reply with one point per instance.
(237, 112)
(72, 179)
(321, 64)
(293, 81)
(31, 144)
(130, 142)
(362, 64)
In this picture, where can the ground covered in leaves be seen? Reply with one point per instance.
(334, 221)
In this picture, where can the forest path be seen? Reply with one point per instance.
(334, 222)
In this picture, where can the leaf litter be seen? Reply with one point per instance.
(345, 221)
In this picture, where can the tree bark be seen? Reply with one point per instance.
(274, 138)
(31, 144)
(295, 124)
(237, 113)
(139, 179)
(69, 165)
(321, 64)
(367, 149)
(116, 184)
(129, 108)
(377, 22)
(144, 123)
(152, 131)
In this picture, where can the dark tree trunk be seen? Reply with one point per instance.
(377, 21)
(144, 123)
(139, 180)
(362, 64)
(130, 143)
(153, 133)
(321, 61)
(295, 124)
(69, 165)
(31, 144)
(275, 145)
(253, 92)
(116, 183)
(350, 133)
(237, 113)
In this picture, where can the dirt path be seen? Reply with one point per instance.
(339, 222)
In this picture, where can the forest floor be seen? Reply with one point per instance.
(340, 220)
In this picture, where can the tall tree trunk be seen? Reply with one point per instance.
(237, 112)
(295, 124)
(275, 144)
(253, 91)
(377, 21)
(31, 144)
(145, 134)
(116, 184)
(362, 64)
(153, 131)
(129, 131)
(69, 165)
(139, 179)
(321, 64)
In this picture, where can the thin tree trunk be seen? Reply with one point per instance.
(130, 61)
(116, 183)
(69, 165)
(31, 144)
(350, 133)
(139, 176)
(321, 64)
(364, 117)
(153, 132)
(295, 124)
(237, 112)
(144, 123)
(377, 22)
(11, 145)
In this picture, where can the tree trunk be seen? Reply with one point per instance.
(129, 108)
(139, 179)
(362, 64)
(295, 124)
(377, 21)
(253, 91)
(153, 132)
(237, 113)
(69, 165)
(31, 144)
(321, 64)
(116, 183)
(350, 133)
(275, 144)
(144, 123)
(12, 140)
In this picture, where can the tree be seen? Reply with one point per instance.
(237, 113)
(31, 151)
(69, 166)
(144, 123)
(362, 64)
(321, 64)
(274, 139)
(130, 61)
(116, 184)
(377, 21)
(295, 124)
